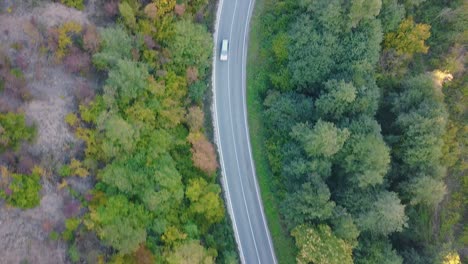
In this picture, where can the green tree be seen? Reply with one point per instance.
(192, 45)
(344, 227)
(116, 45)
(376, 250)
(14, 131)
(365, 159)
(409, 38)
(386, 215)
(319, 245)
(425, 190)
(391, 15)
(310, 54)
(120, 137)
(309, 204)
(324, 139)
(363, 9)
(127, 80)
(120, 223)
(335, 100)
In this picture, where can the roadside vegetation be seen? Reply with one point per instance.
(360, 110)
(143, 144)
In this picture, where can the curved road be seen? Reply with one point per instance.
(232, 136)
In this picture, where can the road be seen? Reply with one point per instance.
(232, 134)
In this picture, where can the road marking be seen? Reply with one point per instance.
(218, 137)
(234, 140)
(244, 98)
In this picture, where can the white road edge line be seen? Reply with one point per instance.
(244, 98)
(234, 140)
(214, 111)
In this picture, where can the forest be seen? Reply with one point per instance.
(361, 109)
(141, 122)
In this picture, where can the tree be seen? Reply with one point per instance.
(203, 153)
(421, 123)
(319, 245)
(14, 131)
(195, 118)
(128, 15)
(120, 223)
(325, 139)
(191, 46)
(344, 227)
(363, 9)
(128, 79)
(205, 201)
(386, 215)
(391, 14)
(310, 54)
(336, 99)
(116, 45)
(120, 137)
(376, 250)
(365, 159)
(425, 190)
(409, 38)
(309, 204)
(188, 253)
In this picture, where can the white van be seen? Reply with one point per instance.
(224, 50)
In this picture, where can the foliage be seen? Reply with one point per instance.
(319, 245)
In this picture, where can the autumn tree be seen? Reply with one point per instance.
(195, 118)
(319, 245)
(409, 38)
(189, 252)
(203, 153)
(205, 201)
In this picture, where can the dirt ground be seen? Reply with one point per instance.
(24, 234)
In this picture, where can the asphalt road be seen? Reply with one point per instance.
(232, 136)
